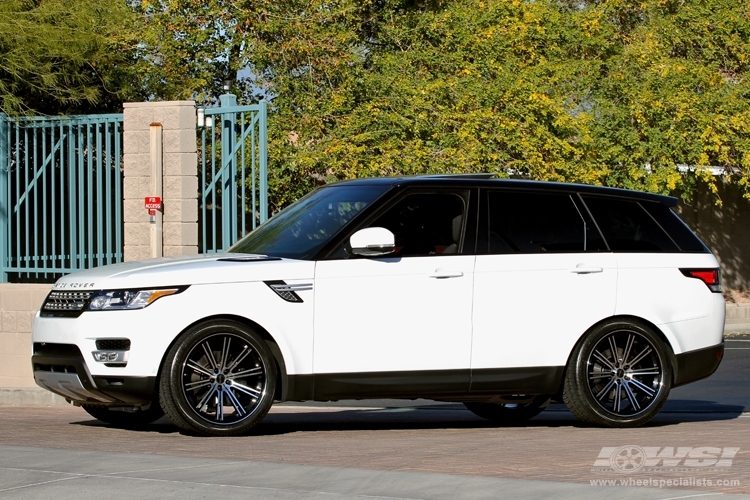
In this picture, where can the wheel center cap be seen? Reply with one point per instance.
(220, 378)
(620, 373)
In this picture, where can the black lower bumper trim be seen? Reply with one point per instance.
(65, 359)
(698, 364)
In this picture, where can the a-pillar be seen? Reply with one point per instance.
(180, 177)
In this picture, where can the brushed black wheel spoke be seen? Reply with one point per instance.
(631, 396)
(199, 368)
(604, 360)
(642, 355)
(648, 390)
(625, 373)
(235, 403)
(606, 389)
(247, 373)
(215, 377)
(628, 348)
(247, 390)
(209, 355)
(245, 353)
(225, 346)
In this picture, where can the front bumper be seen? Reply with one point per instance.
(60, 368)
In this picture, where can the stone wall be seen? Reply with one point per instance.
(180, 179)
(18, 303)
(724, 229)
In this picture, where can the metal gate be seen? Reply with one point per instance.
(60, 195)
(234, 172)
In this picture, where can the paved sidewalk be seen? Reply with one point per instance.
(33, 473)
(553, 455)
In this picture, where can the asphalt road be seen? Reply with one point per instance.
(727, 390)
(384, 449)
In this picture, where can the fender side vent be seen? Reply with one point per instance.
(288, 292)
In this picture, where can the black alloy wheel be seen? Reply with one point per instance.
(218, 379)
(619, 376)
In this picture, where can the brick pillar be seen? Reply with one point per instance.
(180, 180)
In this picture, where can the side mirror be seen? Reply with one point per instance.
(372, 242)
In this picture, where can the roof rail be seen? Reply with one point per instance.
(462, 176)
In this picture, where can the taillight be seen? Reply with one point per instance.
(711, 277)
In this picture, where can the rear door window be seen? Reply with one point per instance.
(535, 222)
(628, 227)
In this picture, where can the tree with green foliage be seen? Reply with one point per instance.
(67, 56)
(614, 92)
(190, 48)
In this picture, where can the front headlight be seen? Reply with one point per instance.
(108, 300)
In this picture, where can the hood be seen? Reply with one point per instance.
(191, 270)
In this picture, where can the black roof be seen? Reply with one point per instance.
(488, 180)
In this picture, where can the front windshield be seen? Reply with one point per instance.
(300, 230)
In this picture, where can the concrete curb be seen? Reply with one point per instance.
(32, 396)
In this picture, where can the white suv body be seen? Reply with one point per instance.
(499, 294)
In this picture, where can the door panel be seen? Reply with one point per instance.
(531, 309)
(393, 314)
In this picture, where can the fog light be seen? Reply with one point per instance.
(111, 356)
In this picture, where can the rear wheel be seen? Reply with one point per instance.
(619, 376)
(124, 418)
(218, 379)
(509, 413)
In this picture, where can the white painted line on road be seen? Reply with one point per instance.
(177, 468)
(115, 475)
(694, 496)
(38, 484)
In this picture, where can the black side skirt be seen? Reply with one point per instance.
(432, 384)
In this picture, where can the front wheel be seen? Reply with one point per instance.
(218, 379)
(509, 413)
(619, 375)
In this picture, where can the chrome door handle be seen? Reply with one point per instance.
(586, 270)
(445, 273)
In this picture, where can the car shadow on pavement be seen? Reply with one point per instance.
(699, 406)
(316, 419)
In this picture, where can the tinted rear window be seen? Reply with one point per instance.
(628, 227)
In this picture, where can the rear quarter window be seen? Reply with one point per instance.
(627, 226)
(680, 233)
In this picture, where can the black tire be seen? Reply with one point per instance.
(218, 379)
(509, 413)
(623, 390)
(128, 419)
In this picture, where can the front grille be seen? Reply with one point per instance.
(65, 303)
(113, 344)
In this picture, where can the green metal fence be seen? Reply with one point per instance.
(60, 195)
(234, 172)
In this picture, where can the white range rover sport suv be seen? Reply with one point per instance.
(500, 294)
